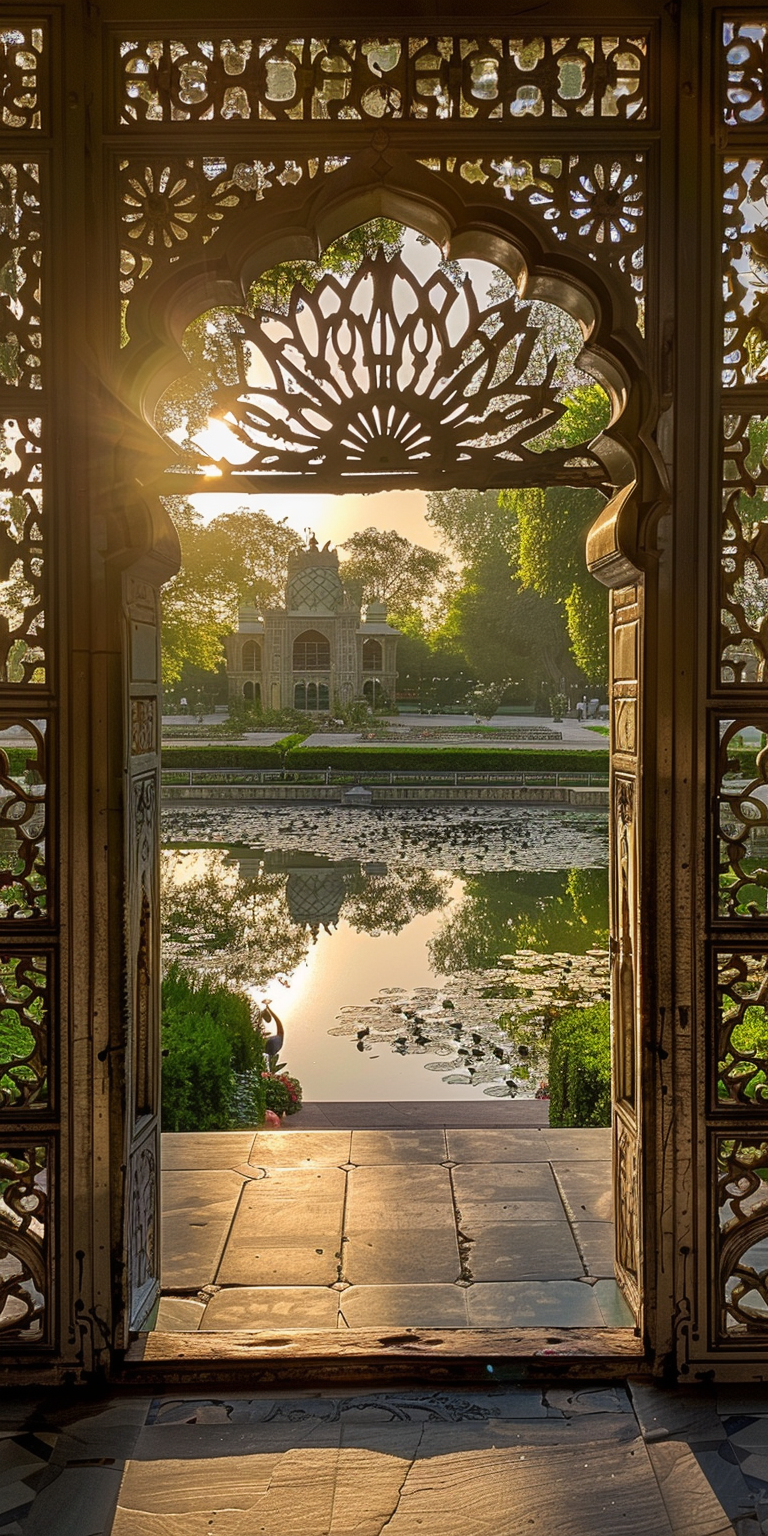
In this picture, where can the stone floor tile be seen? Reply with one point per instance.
(533, 1304)
(177, 1314)
(205, 1149)
(404, 1306)
(596, 1241)
(200, 1189)
(488, 1213)
(506, 1251)
(579, 1146)
(402, 1256)
(691, 1504)
(503, 1181)
(307, 1185)
(199, 1483)
(399, 1184)
(81, 1502)
(737, 1400)
(254, 1263)
(329, 1149)
(311, 1117)
(534, 1490)
(753, 1437)
(688, 1414)
(255, 1307)
(394, 1147)
(15, 1500)
(366, 1215)
(587, 1188)
(191, 1250)
(581, 1400)
(498, 1146)
(288, 1220)
(754, 1465)
(616, 1312)
(727, 1481)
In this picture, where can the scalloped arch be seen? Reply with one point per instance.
(461, 218)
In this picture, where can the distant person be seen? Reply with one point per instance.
(579, 709)
(183, 706)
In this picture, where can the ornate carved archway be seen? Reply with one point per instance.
(581, 162)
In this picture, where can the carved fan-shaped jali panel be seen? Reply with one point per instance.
(385, 375)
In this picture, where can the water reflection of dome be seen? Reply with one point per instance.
(315, 896)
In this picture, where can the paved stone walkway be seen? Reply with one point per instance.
(373, 1228)
(509, 1461)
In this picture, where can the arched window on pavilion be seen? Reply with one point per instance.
(372, 656)
(311, 652)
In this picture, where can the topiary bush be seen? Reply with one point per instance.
(213, 1058)
(580, 1067)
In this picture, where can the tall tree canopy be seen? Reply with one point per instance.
(238, 554)
(385, 567)
(526, 592)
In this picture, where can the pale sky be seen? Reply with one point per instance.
(334, 517)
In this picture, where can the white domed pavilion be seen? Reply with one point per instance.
(316, 652)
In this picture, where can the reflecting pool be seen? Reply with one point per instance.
(414, 952)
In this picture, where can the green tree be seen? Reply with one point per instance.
(239, 554)
(552, 527)
(387, 568)
(507, 632)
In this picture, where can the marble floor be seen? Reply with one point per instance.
(370, 1228)
(517, 1460)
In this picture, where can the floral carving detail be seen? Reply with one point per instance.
(744, 551)
(745, 71)
(742, 1024)
(20, 274)
(181, 203)
(627, 1205)
(162, 204)
(21, 67)
(745, 270)
(23, 892)
(390, 374)
(606, 201)
(743, 1229)
(23, 1243)
(598, 202)
(22, 616)
(143, 731)
(586, 78)
(742, 879)
(24, 1032)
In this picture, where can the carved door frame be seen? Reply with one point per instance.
(110, 546)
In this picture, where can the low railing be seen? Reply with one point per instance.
(328, 776)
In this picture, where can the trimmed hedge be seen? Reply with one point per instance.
(216, 756)
(391, 759)
(580, 1067)
(448, 760)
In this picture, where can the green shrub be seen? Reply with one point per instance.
(213, 1058)
(580, 1067)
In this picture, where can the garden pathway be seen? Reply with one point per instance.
(368, 1228)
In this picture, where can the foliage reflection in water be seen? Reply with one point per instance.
(443, 938)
